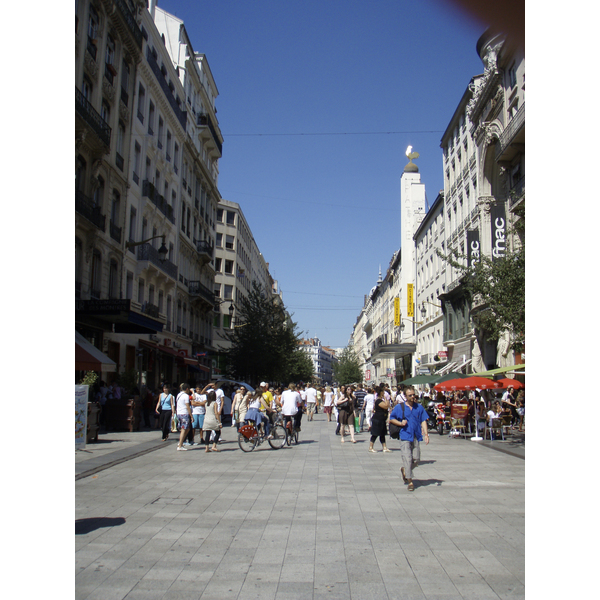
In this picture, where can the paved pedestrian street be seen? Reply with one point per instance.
(313, 521)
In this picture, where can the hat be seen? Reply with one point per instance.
(262, 384)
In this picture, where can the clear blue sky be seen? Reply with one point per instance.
(325, 209)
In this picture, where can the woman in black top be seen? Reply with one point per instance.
(379, 420)
(345, 406)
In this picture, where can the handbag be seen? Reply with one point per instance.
(395, 429)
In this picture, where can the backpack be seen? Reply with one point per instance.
(394, 429)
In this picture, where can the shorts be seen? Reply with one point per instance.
(197, 421)
(184, 421)
(327, 410)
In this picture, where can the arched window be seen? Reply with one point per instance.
(96, 275)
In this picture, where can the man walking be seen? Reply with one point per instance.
(311, 401)
(412, 419)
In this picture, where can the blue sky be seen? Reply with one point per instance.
(381, 75)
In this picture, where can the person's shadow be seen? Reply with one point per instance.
(83, 526)
(425, 482)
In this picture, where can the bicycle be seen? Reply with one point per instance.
(249, 436)
(291, 433)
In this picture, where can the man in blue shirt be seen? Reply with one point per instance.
(412, 419)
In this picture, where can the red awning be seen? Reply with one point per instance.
(89, 358)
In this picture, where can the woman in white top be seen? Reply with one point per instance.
(240, 405)
(328, 407)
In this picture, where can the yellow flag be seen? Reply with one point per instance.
(396, 311)
(410, 306)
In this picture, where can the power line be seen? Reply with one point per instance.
(317, 294)
(331, 133)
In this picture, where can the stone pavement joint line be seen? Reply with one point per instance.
(313, 521)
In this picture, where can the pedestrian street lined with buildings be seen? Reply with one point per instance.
(321, 519)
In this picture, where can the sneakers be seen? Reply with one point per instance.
(386, 449)
(372, 450)
(181, 448)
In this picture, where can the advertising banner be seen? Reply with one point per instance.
(396, 311)
(473, 247)
(81, 410)
(410, 307)
(498, 215)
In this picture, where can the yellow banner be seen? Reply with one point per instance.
(396, 312)
(410, 306)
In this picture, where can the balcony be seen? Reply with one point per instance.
(149, 191)
(514, 133)
(151, 310)
(179, 113)
(205, 252)
(204, 120)
(150, 253)
(129, 21)
(85, 207)
(199, 291)
(91, 116)
(115, 232)
(517, 191)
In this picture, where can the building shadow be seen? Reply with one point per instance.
(83, 526)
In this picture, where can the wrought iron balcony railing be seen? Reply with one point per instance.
(92, 117)
(150, 253)
(85, 207)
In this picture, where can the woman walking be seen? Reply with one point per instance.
(212, 421)
(239, 407)
(379, 419)
(165, 407)
(345, 405)
(328, 406)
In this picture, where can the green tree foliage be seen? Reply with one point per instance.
(300, 367)
(264, 342)
(497, 292)
(347, 369)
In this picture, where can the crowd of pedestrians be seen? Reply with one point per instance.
(199, 415)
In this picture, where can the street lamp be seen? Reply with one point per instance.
(231, 311)
(424, 310)
(162, 251)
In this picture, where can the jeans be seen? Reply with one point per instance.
(411, 455)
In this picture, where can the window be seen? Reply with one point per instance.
(87, 89)
(229, 241)
(132, 224)
(160, 301)
(175, 157)
(228, 292)
(137, 157)
(125, 83)
(129, 290)
(218, 264)
(226, 322)
(141, 103)
(113, 279)
(229, 267)
(161, 126)
(151, 294)
(105, 112)
(217, 320)
(141, 291)
(120, 145)
(92, 32)
(151, 111)
(96, 275)
(512, 75)
(169, 144)
(115, 208)
(80, 167)
(109, 59)
(217, 290)
(220, 212)
(230, 218)
(219, 242)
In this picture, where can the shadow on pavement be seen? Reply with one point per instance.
(83, 526)
(425, 482)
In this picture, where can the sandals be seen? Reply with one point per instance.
(403, 475)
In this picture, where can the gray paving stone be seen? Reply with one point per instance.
(311, 521)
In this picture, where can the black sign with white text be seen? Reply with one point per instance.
(473, 247)
(499, 226)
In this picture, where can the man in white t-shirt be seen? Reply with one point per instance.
(184, 413)
(311, 401)
(291, 402)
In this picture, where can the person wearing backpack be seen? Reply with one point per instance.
(411, 417)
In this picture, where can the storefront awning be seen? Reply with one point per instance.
(499, 370)
(447, 367)
(116, 316)
(89, 358)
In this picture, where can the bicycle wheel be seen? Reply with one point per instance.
(279, 437)
(288, 435)
(247, 444)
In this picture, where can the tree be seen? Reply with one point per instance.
(300, 367)
(263, 340)
(497, 292)
(347, 369)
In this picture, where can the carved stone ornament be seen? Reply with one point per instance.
(90, 65)
(108, 90)
(485, 203)
(124, 111)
